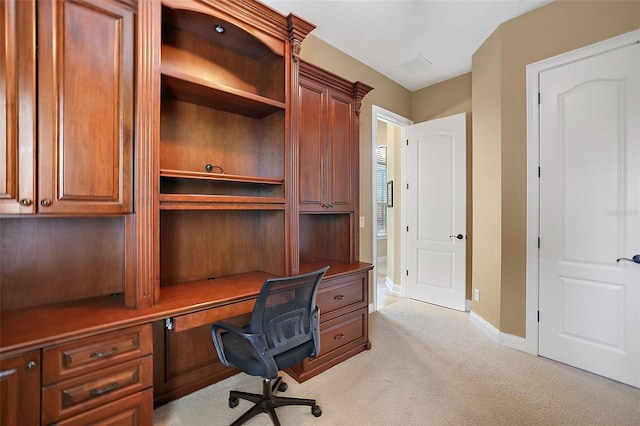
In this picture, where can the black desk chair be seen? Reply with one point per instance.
(284, 330)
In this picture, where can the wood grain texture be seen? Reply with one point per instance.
(51, 260)
(20, 389)
(18, 98)
(85, 101)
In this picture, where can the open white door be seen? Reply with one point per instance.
(436, 211)
(590, 213)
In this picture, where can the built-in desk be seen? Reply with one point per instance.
(183, 357)
(53, 324)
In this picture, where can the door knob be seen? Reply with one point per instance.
(635, 258)
(459, 236)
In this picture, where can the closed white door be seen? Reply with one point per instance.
(436, 211)
(590, 214)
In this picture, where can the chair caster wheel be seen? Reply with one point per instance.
(233, 402)
(316, 411)
(282, 387)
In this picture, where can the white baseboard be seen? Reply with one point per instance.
(485, 326)
(504, 339)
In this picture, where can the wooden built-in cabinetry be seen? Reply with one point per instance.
(20, 389)
(77, 96)
(84, 107)
(166, 157)
(79, 378)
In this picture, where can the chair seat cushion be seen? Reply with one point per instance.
(238, 353)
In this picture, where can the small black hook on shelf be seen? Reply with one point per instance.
(210, 168)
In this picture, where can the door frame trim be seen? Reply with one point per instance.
(379, 113)
(533, 161)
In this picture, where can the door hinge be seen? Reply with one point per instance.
(407, 186)
(407, 142)
(407, 272)
(168, 323)
(538, 242)
(538, 98)
(407, 229)
(538, 316)
(538, 171)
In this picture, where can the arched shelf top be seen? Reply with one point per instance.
(203, 21)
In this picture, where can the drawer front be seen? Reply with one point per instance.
(132, 410)
(82, 356)
(341, 331)
(340, 295)
(83, 393)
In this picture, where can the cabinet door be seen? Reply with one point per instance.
(311, 146)
(85, 77)
(17, 96)
(20, 390)
(184, 362)
(341, 151)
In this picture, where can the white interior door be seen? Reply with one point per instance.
(436, 211)
(590, 214)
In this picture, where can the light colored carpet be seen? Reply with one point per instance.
(428, 366)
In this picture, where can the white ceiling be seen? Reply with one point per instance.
(415, 43)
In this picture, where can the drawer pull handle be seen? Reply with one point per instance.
(105, 353)
(338, 337)
(102, 391)
(339, 297)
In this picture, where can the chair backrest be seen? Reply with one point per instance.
(286, 313)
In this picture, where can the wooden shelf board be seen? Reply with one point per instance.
(183, 174)
(219, 202)
(196, 90)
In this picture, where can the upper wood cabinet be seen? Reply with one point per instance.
(18, 99)
(328, 140)
(84, 107)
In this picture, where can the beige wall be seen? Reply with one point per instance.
(386, 94)
(449, 97)
(499, 140)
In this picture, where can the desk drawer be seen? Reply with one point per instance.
(132, 410)
(342, 331)
(92, 390)
(341, 295)
(86, 355)
(340, 338)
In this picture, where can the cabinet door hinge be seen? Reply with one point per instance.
(168, 323)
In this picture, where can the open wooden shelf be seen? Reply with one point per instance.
(223, 177)
(217, 202)
(189, 88)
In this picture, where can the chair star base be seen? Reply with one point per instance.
(267, 402)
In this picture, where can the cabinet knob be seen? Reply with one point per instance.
(30, 366)
(45, 202)
(25, 202)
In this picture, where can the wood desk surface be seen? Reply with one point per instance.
(37, 327)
